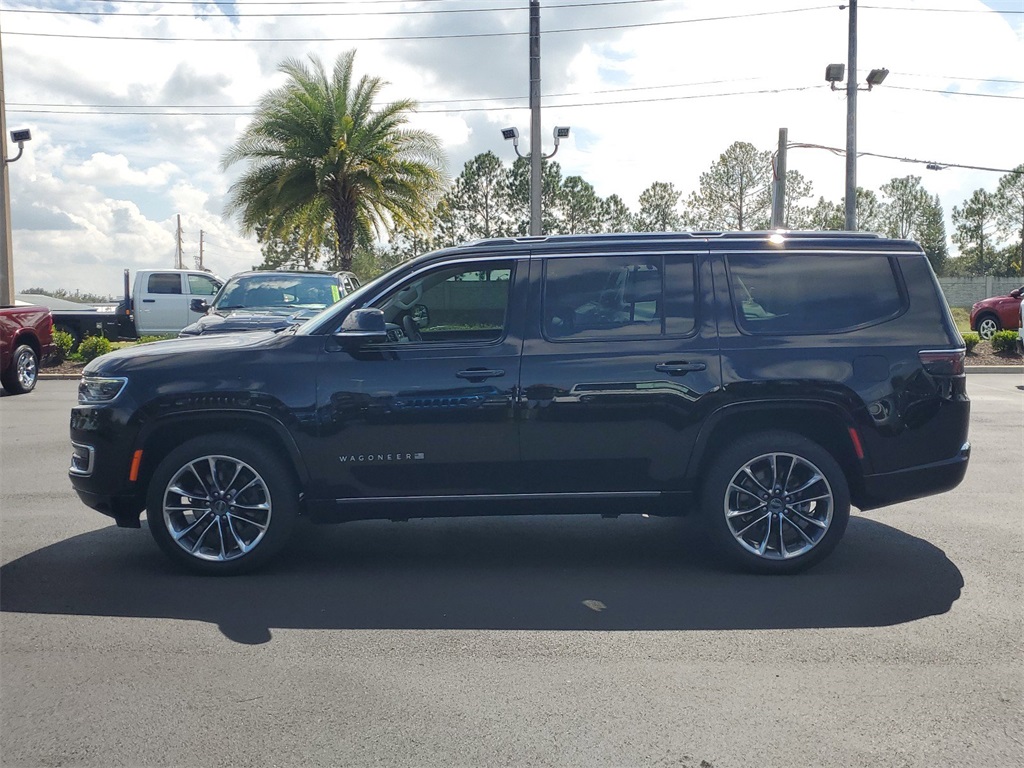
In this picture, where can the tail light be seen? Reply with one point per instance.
(943, 362)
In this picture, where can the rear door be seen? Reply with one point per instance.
(619, 365)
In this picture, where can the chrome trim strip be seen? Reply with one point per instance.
(90, 452)
(504, 497)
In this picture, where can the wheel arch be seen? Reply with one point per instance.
(823, 422)
(160, 438)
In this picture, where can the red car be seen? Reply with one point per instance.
(998, 313)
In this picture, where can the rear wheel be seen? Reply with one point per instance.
(776, 502)
(988, 325)
(21, 375)
(221, 505)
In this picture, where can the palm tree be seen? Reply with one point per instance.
(319, 151)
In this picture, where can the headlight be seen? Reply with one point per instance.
(100, 389)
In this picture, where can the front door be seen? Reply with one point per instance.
(430, 413)
(618, 370)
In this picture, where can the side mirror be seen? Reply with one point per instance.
(1015, 293)
(363, 326)
(198, 305)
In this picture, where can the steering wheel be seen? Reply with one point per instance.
(412, 331)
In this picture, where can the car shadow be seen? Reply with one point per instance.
(509, 573)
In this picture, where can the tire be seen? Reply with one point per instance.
(770, 483)
(220, 505)
(23, 372)
(987, 326)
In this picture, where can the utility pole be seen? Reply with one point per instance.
(201, 233)
(779, 197)
(178, 263)
(535, 149)
(6, 254)
(851, 122)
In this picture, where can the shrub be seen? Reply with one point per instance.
(971, 340)
(1004, 341)
(62, 344)
(92, 347)
(147, 339)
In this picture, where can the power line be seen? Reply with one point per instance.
(955, 93)
(215, 110)
(463, 36)
(419, 102)
(441, 111)
(937, 10)
(229, 15)
(937, 165)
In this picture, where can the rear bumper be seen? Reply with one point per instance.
(916, 482)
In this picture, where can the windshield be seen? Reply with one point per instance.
(273, 290)
(333, 314)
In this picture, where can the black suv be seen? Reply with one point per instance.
(765, 381)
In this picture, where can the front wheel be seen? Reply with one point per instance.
(20, 377)
(988, 326)
(221, 505)
(776, 502)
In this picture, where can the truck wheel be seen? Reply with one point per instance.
(776, 502)
(221, 505)
(21, 375)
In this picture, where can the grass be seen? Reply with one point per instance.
(962, 318)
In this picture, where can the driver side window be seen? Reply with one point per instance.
(464, 302)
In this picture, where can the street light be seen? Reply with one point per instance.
(512, 134)
(20, 136)
(834, 73)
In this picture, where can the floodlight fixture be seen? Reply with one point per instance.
(561, 132)
(510, 134)
(21, 136)
(876, 76)
(935, 167)
(834, 73)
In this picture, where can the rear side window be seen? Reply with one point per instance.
(163, 282)
(615, 297)
(804, 293)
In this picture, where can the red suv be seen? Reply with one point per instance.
(997, 314)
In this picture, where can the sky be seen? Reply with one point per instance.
(133, 104)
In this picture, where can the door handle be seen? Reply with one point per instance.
(149, 301)
(678, 369)
(479, 374)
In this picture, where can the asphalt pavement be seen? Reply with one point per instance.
(557, 641)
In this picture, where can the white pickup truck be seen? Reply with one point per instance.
(157, 305)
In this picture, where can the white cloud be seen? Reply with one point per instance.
(115, 170)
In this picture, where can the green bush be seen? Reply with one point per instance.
(1004, 341)
(92, 347)
(971, 340)
(147, 339)
(62, 344)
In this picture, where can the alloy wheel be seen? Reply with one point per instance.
(779, 506)
(217, 508)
